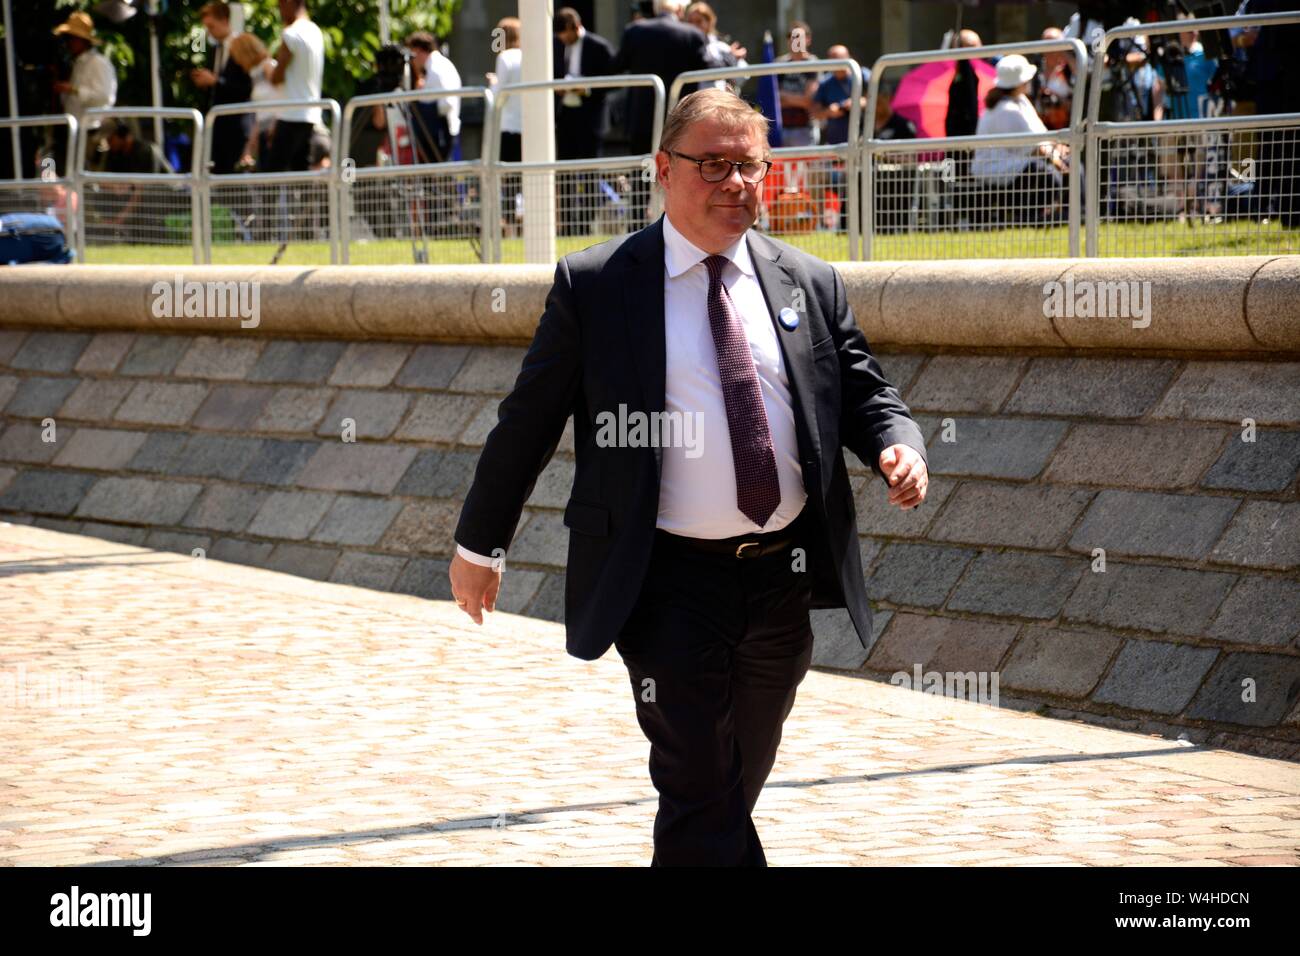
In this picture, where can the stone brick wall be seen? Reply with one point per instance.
(233, 444)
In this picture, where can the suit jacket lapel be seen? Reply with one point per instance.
(779, 285)
(643, 292)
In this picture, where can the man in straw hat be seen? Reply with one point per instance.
(93, 82)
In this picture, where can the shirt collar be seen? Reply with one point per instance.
(680, 254)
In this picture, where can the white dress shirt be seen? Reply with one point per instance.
(573, 54)
(94, 84)
(441, 74)
(697, 495)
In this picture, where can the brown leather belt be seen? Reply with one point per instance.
(740, 546)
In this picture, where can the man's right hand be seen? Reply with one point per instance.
(474, 587)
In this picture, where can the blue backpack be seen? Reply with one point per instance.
(32, 237)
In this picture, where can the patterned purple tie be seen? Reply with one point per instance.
(758, 491)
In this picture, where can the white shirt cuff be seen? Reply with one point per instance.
(475, 558)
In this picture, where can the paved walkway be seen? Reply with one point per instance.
(167, 709)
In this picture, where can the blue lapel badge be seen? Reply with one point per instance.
(789, 319)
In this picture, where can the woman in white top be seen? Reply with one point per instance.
(717, 51)
(1032, 177)
(251, 54)
(509, 70)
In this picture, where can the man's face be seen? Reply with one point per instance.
(217, 28)
(711, 215)
(419, 57)
(76, 46)
(568, 35)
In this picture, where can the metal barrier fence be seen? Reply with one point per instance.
(419, 212)
(49, 192)
(264, 218)
(158, 212)
(973, 196)
(1194, 186)
(810, 195)
(1201, 186)
(596, 198)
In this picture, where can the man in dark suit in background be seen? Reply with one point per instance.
(226, 82)
(579, 115)
(697, 552)
(666, 47)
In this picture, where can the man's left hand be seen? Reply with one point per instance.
(908, 478)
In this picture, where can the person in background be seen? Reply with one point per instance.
(797, 89)
(125, 214)
(1052, 89)
(251, 55)
(509, 69)
(579, 114)
(832, 104)
(299, 67)
(666, 47)
(93, 82)
(719, 52)
(888, 124)
(256, 207)
(370, 127)
(437, 123)
(1141, 95)
(963, 93)
(1275, 57)
(225, 81)
(832, 101)
(1031, 178)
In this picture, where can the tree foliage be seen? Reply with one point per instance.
(350, 29)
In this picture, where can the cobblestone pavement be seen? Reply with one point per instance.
(164, 709)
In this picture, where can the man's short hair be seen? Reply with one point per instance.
(422, 40)
(215, 8)
(566, 18)
(712, 103)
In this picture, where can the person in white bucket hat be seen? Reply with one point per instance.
(1027, 182)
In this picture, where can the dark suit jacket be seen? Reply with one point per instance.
(664, 46)
(600, 342)
(230, 133)
(595, 58)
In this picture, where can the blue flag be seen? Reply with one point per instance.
(769, 99)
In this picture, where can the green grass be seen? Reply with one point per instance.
(1160, 239)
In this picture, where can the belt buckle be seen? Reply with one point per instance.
(740, 548)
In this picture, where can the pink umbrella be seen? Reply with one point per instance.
(922, 94)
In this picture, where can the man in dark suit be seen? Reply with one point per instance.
(666, 47)
(226, 82)
(698, 545)
(579, 115)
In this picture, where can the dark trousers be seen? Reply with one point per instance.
(715, 648)
(290, 146)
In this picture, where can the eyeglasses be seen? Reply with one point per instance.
(716, 170)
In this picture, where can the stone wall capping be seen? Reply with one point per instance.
(1227, 305)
